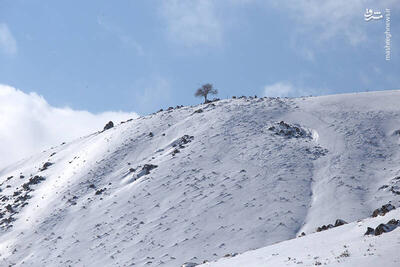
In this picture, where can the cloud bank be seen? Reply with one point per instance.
(28, 124)
(8, 45)
(285, 89)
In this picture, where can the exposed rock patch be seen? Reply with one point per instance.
(383, 210)
(45, 166)
(338, 222)
(181, 143)
(383, 228)
(289, 130)
(109, 125)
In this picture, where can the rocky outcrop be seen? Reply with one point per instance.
(289, 130)
(109, 125)
(338, 222)
(383, 228)
(383, 210)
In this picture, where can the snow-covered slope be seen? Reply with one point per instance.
(197, 183)
(342, 246)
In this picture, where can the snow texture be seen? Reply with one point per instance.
(182, 186)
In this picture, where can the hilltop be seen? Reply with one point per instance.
(197, 183)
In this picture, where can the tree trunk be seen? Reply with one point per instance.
(205, 99)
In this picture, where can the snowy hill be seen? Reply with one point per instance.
(196, 183)
(343, 246)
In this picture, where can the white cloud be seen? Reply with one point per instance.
(285, 89)
(28, 124)
(7, 41)
(192, 23)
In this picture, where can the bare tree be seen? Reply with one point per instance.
(205, 90)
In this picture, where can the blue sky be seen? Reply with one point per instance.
(145, 55)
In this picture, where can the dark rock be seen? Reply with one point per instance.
(340, 222)
(180, 142)
(148, 167)
(198, 111)
(383, 228)
(92, 186)
(176, 151)
(109, 125)
(370, 231)
(26, 187)
(23, 198)
(151, 134)
(132, 170)
(146, 170)
(324, 227)
(100, 191)
(289, 130)
(7, 220)
(9, 208)
(45, 166)
(383, 210)
(170, 108)
(36, 179)
(395, 190)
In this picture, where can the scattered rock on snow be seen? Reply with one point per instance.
(383, 228)
(338, 222)
(146, 169)
(289, 130)
(180, 142)
(324, 227)
(302, 234)
(189, 264)
(45, 166)
(109, 125)
(383, 210)
(100, 191)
